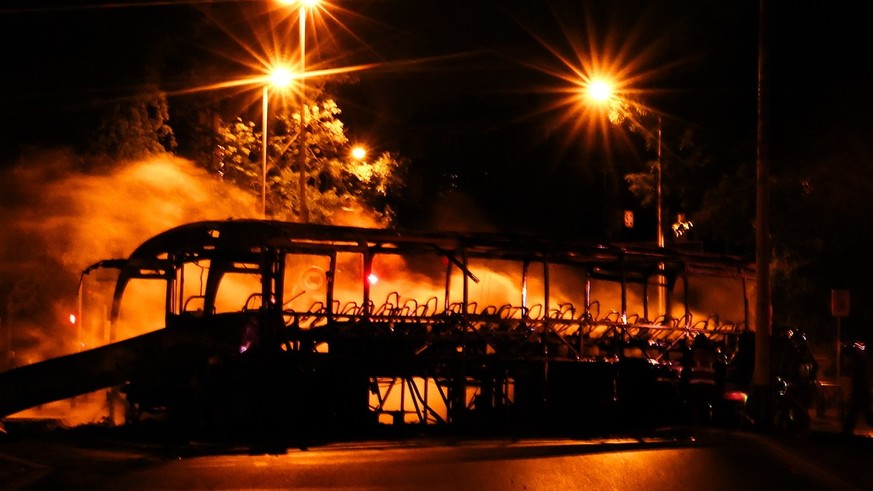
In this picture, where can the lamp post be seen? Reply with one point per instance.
(602, 93)
(279, 78)
(264, 110)
(659, 191)
(662, 291)
(301, 152)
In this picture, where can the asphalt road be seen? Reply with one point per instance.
(705, 459)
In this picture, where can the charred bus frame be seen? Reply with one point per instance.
(450, 354)
(276, 324)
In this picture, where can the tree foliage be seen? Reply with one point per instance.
(238, 155)
(814, 245)
(334, 181)
(135, 128)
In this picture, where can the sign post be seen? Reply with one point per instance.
(840, 302)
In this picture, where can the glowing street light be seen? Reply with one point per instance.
(302, 3)
(358, 152)
(600, 91)
(279, 78)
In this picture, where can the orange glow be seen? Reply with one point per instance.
(92, 407)
(280, 77)
(394, 405)
(73, 319)
(302, 3)
(359, 152)
(600, 91)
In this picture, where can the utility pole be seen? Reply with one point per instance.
(761, 377)
(659, 188)
(301, 149)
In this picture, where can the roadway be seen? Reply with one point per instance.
(711, 459)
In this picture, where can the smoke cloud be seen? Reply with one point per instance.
(60, 215)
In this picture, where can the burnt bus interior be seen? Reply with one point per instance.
(273, 326)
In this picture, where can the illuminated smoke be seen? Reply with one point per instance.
(354, 214)
(59, 217)
(82, 217)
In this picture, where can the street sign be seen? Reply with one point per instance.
(840, 303)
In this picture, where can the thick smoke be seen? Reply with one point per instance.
(59, 216)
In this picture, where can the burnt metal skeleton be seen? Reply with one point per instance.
(280, 327)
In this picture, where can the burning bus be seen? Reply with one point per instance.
(267, 326)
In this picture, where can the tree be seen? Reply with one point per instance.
(376, 182)
(714, 191)
(135, 128)
(238, 156)
(334, 181)
(814, 246)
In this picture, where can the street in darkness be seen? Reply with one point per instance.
(710, 459)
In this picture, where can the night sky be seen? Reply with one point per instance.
(473, 93)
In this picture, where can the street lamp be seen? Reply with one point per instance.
(303, 6)
(358, 152)
(601, 92)
(280, 77)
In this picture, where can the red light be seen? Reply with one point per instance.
(72, 319)
(736, 396)
(372, 278)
